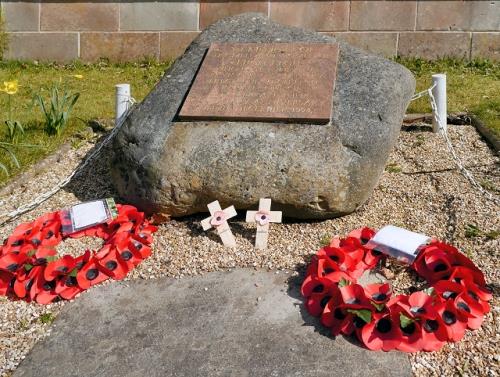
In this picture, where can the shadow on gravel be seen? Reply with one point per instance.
(294, 284)
(94, 181)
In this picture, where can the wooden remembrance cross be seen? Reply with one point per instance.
(263, 217)
(218, 220)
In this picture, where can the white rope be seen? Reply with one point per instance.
(466, 173)
(422, 93)
(48, 194)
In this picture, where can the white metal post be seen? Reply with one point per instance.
(439, 93)
(122, 101)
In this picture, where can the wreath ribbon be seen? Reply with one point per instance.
(457, 297)
(30, 268)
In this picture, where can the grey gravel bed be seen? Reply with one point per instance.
(420, 190)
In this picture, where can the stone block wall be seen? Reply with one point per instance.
(130, 30)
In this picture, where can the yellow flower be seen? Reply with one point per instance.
(78, 77)
(10, 87)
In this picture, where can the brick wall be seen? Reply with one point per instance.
(89, 30)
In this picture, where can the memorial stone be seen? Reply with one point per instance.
(254, 109)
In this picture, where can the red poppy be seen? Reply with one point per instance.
(90, 274)
(20, 232)
(314, 284)
(432, 264)
(362, 234)
(463, 273)
(318, 293)
(113, 265)
(460, 260)
(128, 254)
(454, 321)
(353, 248)
(327, 317)
(325, 266)
(27, 271)
(337, 318)
(471, 310)
(411, 337)
(25, 280)
(5, 282)
(378, 293)
(129, 213)
(50, 234)
(434, 334)
(336, 256)
(447, 289)
(144, 236)
(11, 262)
(67, 287)
(382, 333)
(137, 244)
(35, 237)
(407, 323)
(62, 266)
(45, 290)
(478, 293)
(353, 297)
(372, 257)
(419, 305)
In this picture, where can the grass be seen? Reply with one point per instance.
(472, 87)
(96, 100)
(47, 318)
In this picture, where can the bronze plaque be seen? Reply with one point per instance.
(291, 82)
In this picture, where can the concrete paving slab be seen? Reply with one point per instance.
(241, 323)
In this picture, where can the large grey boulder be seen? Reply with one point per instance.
(310, 171)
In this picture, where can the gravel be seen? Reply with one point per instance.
(420, 190)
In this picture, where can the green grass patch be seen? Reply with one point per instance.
(47, 318)
(97, 93)
(393, 168)
(473, 87)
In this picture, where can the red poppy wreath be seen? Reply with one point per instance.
(30, 268)
(457, 297)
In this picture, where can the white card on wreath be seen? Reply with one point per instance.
(400, 243)
(87, 214)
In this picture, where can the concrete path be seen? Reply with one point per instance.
(242, 323)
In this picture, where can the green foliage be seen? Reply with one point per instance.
(325, 240)
(96, 102)
(393, 168)
(14, 129)
(489, 185)
(47, 318)
(4, 40)
(24, 324)
(472, 231)
(379, 307)
(404, 320)
(57, 109)
(492, 234)
(343, 282)
(364, 314)
(7, 148)
(430, 291)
